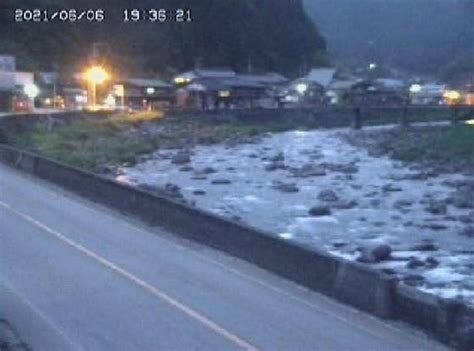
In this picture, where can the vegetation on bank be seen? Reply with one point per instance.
(441, 149)
(92, 142)
(89, 142)
(443, 145)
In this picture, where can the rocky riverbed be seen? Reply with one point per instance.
(317, 188)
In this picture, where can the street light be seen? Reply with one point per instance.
(96, 75)
(31, 91)
(301, 88)
(415, 88)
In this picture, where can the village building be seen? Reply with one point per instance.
(143, 93)
(220, 88)
(15, 86)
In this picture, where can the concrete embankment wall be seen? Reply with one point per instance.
(349, 282)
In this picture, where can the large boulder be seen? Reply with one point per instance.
(279, 157)
(468, 232)
(309, 170)
(285, 187)
(172, 190)
(390, 187)
(220, 181)
(274, 165)
(206, 170)
(319, 210)
(437, 207)
(463, 199)
(402, 204)
(348, 168)
(344, 204)
(425, 245)
(327, 195)
(375, 253)
(181, 158)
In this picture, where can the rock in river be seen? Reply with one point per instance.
(207, 170)
(318, 211)
(280, 157)
(374, 254)
(468, 232)
(181, 158)
(221, 181)
(391, 188)
(285, 187)
(426, 245)
(344, 204)
(274, 165)
(342, 168)
(436, 207)
(328, 195)
(309, 170)
(414, 263)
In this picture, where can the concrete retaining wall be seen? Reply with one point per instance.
(349, 282)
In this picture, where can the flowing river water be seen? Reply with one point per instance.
(273, 181)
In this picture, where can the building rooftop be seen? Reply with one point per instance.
(145, 82)
(267, 78)
(321, 76)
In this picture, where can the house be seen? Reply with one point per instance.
(209, 93)
(190, 76)
(320, 76)
(271, 79)
(213, 88)
(72, 98)
(338, 91)
(16, 88)
(143, 93)
(378, 92)
(390, 84)
(425, 94)
(318, 87)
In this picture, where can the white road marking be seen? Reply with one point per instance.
(190, 312)
(420, 338)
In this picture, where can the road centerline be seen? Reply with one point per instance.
(163, 296)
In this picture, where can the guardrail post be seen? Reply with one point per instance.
(357, 118)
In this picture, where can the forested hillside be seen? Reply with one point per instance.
(261, 34)
(423, 36)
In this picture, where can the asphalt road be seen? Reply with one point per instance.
(77, 276)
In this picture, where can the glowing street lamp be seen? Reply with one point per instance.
(301, 88)
(415, 88)
(96, 75)
(31, 91)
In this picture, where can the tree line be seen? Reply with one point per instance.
(245, 35)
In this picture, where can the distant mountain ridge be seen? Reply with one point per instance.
(416, 35)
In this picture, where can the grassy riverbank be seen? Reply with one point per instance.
(121, 138)
(443, 149)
